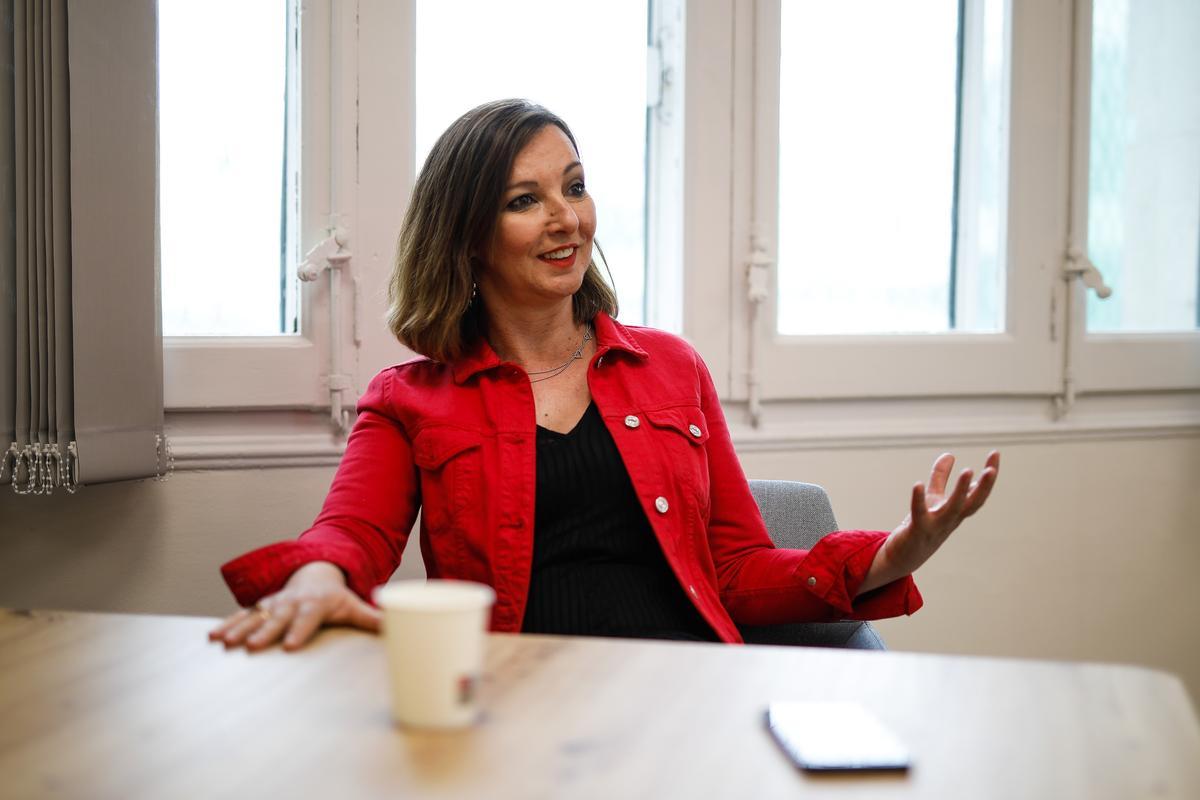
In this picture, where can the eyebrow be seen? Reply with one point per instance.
(533, 184)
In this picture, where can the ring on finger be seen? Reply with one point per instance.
(261, 612)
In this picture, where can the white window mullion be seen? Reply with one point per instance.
(712, 162)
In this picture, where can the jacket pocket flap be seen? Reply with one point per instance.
(433, 447)
(687, 422)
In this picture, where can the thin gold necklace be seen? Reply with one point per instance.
(554, 372)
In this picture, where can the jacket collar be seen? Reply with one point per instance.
(610, 335)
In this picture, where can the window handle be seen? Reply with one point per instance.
(334, 254)
(1079, 266)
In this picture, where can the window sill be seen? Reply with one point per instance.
(252, 440)
(985, 421)
(276, 439)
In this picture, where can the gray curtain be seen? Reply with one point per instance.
(81, 351)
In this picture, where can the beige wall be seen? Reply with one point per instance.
(1087, 550)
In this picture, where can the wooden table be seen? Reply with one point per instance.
(123, 706)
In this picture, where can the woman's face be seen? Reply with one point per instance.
(542, 244)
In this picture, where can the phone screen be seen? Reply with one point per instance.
(835, 736)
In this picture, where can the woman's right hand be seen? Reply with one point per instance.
(315, 595)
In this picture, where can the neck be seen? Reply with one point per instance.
(534, 338)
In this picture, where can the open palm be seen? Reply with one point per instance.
(933, 515)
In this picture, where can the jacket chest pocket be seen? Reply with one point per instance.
(683, 432)
(450, 462)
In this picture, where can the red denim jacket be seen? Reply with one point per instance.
(458, 442)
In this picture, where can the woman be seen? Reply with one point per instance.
(582, 468)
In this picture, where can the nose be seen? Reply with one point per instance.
(562, 217)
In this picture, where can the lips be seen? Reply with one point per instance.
(562, 257)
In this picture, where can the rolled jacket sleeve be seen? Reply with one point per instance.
(837, 565)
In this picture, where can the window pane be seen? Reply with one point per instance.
(222, 114)
(1144, 176)
(584, 61)
(890, 203)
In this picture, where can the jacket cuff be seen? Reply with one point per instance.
(266, 570)
(838, 564)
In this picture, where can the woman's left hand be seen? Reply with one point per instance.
(932, 517)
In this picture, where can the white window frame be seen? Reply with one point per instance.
(292, 371)
(1019, 361)
(730, 211)
(1111, 362)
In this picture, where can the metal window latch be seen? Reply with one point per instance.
(333, 254)
(758, 279)
(758, 275)
(1079, 266)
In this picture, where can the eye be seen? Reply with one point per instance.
(520, 203)
(577, 189)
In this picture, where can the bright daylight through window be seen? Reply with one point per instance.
(584, 61)
(227, 191)
(891, 169)
(1144, 174)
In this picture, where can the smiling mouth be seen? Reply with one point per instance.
(562, 257)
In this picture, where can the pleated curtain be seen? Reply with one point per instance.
(80, 338)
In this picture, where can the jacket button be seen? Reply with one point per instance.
(694, 430)
(632, 422)
(662, 505)
(812, 581)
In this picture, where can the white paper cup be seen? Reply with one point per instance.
(434, 634)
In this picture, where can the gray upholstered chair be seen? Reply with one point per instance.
(797, 515)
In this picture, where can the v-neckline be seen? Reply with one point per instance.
(578, 424)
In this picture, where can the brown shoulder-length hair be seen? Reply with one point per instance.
(455, 206)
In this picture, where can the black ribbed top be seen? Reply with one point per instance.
(597, 566)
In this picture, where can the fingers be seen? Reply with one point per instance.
(365, 616)
(962, 486)
(919, 510)
(255, 628)
(294, 619)
(247, 621)
(980, 491)
(275, 620)
(307, 621)
(940, 474)
(218, 633)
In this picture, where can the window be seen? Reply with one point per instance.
(227, 168)
(1136, 196)
(257, 164)
(889, 154)
(904, 187)
(1024, 149)
(919, 244)
(366, 106)
(1144, 165)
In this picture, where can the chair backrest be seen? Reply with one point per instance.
(797, 515)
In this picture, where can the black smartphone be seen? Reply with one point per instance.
(835, 737)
